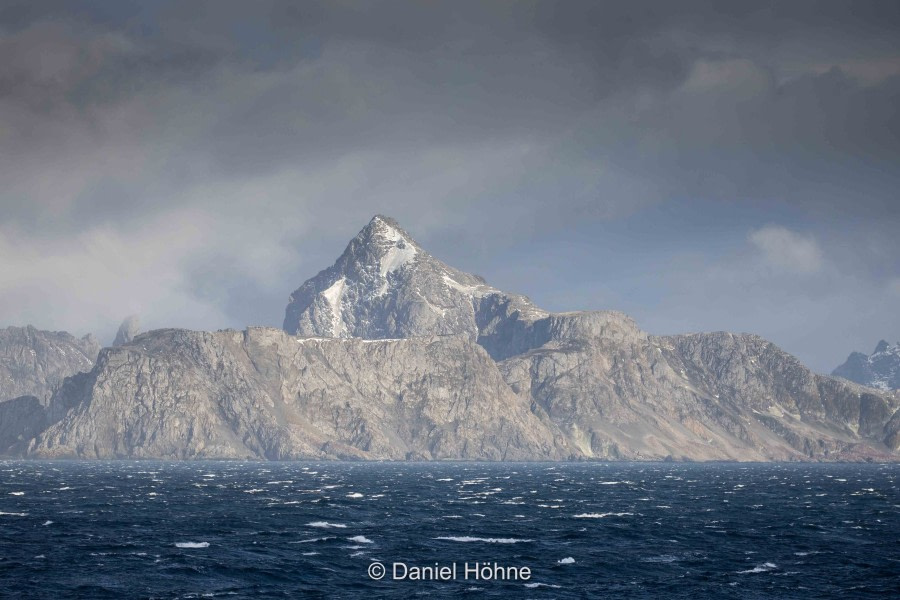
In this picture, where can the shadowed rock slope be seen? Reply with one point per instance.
(881, 369)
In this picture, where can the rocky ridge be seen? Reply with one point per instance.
(881, 369)
(35, 362)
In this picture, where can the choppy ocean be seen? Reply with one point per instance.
(472, 530)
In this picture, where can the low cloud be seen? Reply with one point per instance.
(894, 287)
(788, 250)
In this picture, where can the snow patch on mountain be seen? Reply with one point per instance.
(396, 257)
(333, 296)
(459, 287)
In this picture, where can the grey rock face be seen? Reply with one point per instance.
(621, 394)
(820, 417)
(128, 330)
(264, 394)
(881, 369)
(35, 362)
(20, 419)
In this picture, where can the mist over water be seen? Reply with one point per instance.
(242, 530)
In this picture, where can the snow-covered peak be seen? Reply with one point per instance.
(385, 285)
(383, 232)
(389, 230)
(882, 346)
(381, 244)
(881, 369)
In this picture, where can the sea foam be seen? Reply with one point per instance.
(466, 538)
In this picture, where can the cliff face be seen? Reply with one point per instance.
(621, 394)
(817, 416)
(391, 354)
(265, 394)
(35, 362)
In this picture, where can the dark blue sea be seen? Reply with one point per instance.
(467, 530)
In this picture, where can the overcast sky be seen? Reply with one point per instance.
(700, 166)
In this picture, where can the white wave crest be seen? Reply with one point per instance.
(760, 568)
(311, 540)
(361, 539)
(466, 538)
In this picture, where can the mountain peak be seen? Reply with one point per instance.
(385, 222)
(381, 246)
(385, 230)
(881, 369)
(129, 328)
(385, 285)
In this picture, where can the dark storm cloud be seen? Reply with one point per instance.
(224, 151)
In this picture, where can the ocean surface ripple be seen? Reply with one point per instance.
(585, 530)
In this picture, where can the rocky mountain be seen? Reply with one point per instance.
(34, 362)
(391, 354)
(881, 369)
(386, 286)
(128, 330)
(262, 393)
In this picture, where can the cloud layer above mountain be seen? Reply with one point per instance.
(698, 165)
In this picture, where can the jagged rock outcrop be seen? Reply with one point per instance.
(128, 330)
(35, 362)
(880, 370)
(261, 393)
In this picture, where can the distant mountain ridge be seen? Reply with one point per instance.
(35, 362)
(392, 354)
(880, 370)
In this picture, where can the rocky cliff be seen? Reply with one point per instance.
(34, 362)
(262, 393)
